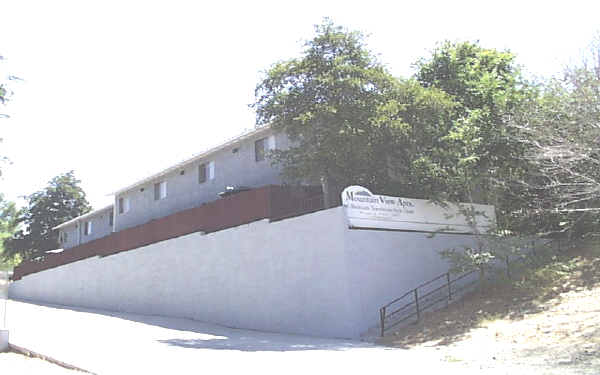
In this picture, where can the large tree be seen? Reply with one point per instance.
(561, 131)
(326, 102)
(63, 199)
(479, 155)
(8, 225)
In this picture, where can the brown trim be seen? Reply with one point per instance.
(268, 202)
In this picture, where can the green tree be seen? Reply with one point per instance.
(480, 154)
(326, 101)
(413, 122)
(63, 199)
(8, 226)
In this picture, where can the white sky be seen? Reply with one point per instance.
(118, 90)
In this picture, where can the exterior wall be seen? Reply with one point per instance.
(75, 233)
(307, 275)
(386, 264)
(184, 191)
(73, 236)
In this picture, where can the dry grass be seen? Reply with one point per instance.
(551, 314)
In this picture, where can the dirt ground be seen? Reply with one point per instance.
(14, 363)
(550, 322)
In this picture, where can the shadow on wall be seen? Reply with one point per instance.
(213, 336)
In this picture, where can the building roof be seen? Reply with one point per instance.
(199, 156)
(84, 216)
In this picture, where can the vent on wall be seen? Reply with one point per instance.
(235, 150)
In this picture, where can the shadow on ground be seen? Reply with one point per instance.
(535, 290)
(213, 336)
(254, 344)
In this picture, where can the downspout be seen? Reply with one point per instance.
(78, 232)
(114, 213)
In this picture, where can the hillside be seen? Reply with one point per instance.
(548, 319)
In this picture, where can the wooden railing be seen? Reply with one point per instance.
(269, 202)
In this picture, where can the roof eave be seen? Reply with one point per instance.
(193, 159)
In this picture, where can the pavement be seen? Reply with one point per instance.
(104, 342)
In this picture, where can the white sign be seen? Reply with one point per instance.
(367, 210)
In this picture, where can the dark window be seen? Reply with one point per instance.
(202, 173)
(123, 205)
(111, 218)
(259, 149)
(87, 228)
(63, 237)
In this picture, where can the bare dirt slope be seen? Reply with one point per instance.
(547, 320)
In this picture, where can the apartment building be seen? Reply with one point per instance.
(241, 161)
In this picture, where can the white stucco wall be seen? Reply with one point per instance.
(308, 275)
(386, 264)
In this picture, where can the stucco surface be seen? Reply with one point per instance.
(100, 227)
(184, 191)
(308, 275)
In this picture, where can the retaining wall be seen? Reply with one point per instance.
(308, 274)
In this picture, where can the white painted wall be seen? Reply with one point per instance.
(308, 275)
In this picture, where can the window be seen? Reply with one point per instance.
(160, 190)
(211, 170)
(123, 205)
(263, 145)
(206, 172)
(62, 238)
(111, 218)
(87, 228)
(259, 149)
(202, 173)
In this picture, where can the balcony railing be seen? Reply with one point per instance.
(269, 202)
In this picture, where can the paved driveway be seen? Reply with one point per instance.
(105, 342)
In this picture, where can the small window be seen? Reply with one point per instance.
(206, 172)
(202, 173)
(62, 238)
(211, 170)
(123, 205)
(160, 190)
(271, 142)
(111, 218)
(87, 228)
(259, 149)
(263, 145)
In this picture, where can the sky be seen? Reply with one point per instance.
(118, 90)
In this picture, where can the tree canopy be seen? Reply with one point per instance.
(8, 225)
(561, 131)
(345, 114)
(441, 135)
(63, 199)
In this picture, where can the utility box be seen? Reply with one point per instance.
(4, 277)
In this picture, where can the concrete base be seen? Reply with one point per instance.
(3, 341)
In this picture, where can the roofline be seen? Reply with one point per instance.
(194, 158)
(81, 217)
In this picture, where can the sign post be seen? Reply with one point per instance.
(3, 304)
